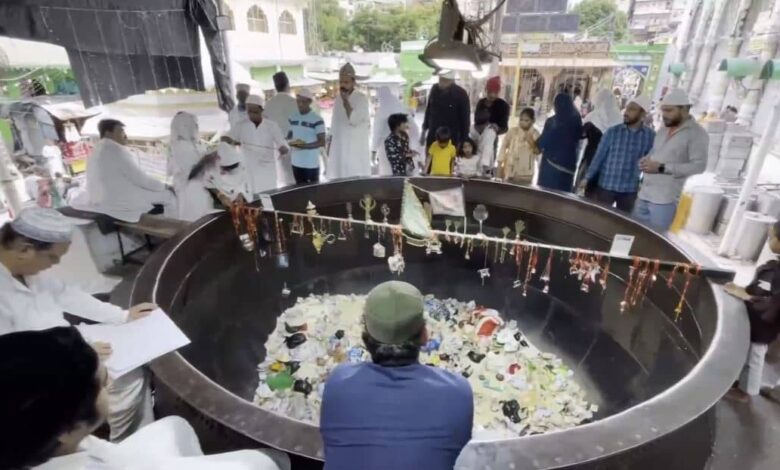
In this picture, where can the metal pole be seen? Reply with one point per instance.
(226, 44)
(516, 90)
(728, 245)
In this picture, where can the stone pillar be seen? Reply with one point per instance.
(747, 111)
(721, 83)
(549, 76)
(683, 40)
(692, 56)
(705, 58)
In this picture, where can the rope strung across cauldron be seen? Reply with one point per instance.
(592, 267)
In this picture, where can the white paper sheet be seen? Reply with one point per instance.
(137, 342)
(621, 245)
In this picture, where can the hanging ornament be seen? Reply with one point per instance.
(456, 224)
(629, 286)
(368, 204)
(480, 214)
(250, 220)
(349, 218)
(385, 210)
(285, 291)
(468, 249)
(379, 250)
(396, 262)
(519, 263)
(605, 275)
(296, 227)
(688, 275)
(282, 258)
(432, 246)
(319, 239)
(506, 231)
(592, 269)
(311, 212)
(447, 225)
(532, 259)
(643, 274)
(484, 273)
(547, 272)
(670, 280)
(236, 211)
(343, 230)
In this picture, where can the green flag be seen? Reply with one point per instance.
(413, 218)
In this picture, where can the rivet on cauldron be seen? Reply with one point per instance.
(302, 386)
(475, 356)
(499, 377)
(295, 340)
(511, 410)
(339, 334)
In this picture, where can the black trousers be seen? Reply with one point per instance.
(306, 175)
(624, 201)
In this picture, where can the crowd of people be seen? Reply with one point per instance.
(368, 420)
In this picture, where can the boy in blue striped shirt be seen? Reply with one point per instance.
(615, 166)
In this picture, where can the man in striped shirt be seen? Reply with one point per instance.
(615, 166)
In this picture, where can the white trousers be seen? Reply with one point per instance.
(129, 404)
(752, 373)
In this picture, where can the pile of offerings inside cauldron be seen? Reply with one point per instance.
(518, 390)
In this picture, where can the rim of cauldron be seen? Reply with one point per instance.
(641, 424)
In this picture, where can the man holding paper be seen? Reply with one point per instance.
(32, 299)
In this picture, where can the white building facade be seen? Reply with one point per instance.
(267, 36)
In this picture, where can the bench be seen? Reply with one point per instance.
(150, 227)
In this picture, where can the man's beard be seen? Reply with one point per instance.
(672, 122)
(630, 122)
(345, 90)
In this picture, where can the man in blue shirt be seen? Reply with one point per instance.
(307, 136)
(394, 413)
(615, 166)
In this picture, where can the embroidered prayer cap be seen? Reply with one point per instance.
(228, 155)
(641, 101)
(43, 225)
(305, 93)
(676, 97)
(242, 87)
(256, 100)
(393, 312)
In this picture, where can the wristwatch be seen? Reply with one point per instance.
(662, 168)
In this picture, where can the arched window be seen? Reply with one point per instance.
(256, 20)
(287, 23)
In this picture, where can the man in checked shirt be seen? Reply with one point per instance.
(615, 167)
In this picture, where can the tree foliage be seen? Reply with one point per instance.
(593, 18)
(371, 29)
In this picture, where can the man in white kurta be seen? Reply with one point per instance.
(279, 109)
(262, 142)
(33, 299)
(116, 186)
(348, 154)
(237, 115)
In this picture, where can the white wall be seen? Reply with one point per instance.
(267, 48)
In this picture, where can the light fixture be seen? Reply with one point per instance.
(461, 44)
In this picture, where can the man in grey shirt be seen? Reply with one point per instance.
(679, 151)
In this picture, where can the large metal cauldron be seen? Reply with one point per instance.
(655, 380)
